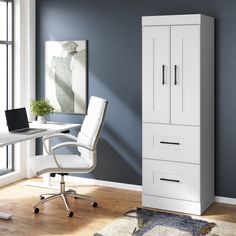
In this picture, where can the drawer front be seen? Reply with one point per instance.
(171, 180)
(171, 142)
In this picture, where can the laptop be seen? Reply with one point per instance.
(17, 122)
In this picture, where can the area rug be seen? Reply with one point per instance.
(155, 223)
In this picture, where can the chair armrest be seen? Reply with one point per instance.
(69, 136)
(66, 144)
(60, 135)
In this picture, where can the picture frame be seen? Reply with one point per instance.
(66, 75)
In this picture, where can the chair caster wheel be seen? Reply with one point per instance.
(36, 210)
(70, 214)
(42, 197)
(95, 204)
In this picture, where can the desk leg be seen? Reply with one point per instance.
(46, 177)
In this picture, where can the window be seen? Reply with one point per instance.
(6, 76)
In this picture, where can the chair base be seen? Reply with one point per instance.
(64, 195)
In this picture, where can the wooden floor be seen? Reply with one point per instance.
(52, 219)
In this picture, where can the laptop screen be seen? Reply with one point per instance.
(16, 119)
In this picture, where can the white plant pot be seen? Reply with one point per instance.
(42, 119)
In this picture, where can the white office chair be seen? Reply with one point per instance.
(84, 162)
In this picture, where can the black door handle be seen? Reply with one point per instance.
(175, 74)
(170, 180)
(163, 74)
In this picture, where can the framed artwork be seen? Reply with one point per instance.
(66, 75)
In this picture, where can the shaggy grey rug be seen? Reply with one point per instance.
(155, 223)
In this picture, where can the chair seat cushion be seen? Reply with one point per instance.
(69, 164)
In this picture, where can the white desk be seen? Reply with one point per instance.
(7, 138)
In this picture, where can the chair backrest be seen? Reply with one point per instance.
(93, 122)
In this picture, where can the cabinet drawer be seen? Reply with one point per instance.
(171, 180)
(171, 142)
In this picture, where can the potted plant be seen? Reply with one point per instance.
(41, 108)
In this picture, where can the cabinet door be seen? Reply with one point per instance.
(185, 75)
(156, 74)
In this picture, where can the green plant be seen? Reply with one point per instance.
(41, 107)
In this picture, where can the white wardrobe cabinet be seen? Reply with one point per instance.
(178, 112)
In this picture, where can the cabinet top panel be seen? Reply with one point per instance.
(175, 19)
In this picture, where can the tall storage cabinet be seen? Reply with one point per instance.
(178, 112)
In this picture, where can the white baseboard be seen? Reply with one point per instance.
(80, 180)
(225, 200)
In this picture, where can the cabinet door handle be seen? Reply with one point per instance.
(163, 74)
(173, 143)
(170, 180)
(175, 74)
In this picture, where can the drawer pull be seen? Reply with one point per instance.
(173, 143)
(170, 180)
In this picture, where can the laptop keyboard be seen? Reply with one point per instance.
(29, 131)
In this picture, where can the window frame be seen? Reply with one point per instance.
(9, 81)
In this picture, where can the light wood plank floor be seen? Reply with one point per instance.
(52, 219)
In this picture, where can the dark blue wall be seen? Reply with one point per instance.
(113, 31)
